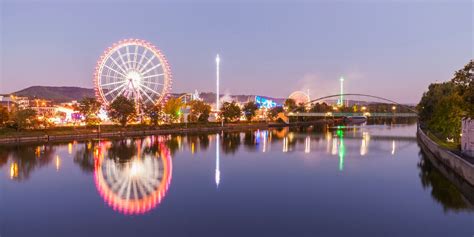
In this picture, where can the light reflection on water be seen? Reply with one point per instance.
(134, 176)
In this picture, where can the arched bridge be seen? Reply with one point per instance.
(412, 113)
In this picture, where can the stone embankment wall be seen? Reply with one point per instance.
(459, 165)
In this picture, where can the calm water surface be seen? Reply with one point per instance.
(347, 181)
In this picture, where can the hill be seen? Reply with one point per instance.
(55, 93)
(68, 93)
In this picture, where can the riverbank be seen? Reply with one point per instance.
(462, 166)
(113, 131)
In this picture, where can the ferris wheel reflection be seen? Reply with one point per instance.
(137, 183)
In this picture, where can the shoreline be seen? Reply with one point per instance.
(74, 135)
(453, 161)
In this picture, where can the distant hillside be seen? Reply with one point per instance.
(68, 93)
(56, 93)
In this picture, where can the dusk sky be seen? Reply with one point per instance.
(393, 49)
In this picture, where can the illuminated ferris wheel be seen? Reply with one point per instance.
(136, 186)
(135, 69)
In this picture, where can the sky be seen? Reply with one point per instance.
(388, 48)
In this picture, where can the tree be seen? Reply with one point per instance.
(443, 106)
(24, 118)
(199, 111)
(172, 108)
(4, 115)
(320, 108)
(122, 110)
(290, 104)
(89, 108)
(230, 111)
(155, 113)
(273, 112)
(464, 82)
(250, 109)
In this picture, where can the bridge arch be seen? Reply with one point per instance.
(363, 95)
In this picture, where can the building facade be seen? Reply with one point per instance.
(467, 138)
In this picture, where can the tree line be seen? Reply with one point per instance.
(445, 104)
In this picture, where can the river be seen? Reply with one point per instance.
(368, 180)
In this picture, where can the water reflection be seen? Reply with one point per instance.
(23, 160)
(446, 187)
(218, 170)
(133, 176)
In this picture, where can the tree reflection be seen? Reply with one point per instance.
(25, 159)
(250, 141)
(230, 142)
(444, 190)
(84, 157)
(122, 150)
(204, 141)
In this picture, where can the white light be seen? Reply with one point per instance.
(218, 171)
(218, 60)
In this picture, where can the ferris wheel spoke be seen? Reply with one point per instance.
(155, 83)
(122, 79)
(148, 187)
(146, 64)
(118, 65)
(146, 94)
(135, 189)
(128, 189)
(128, 57)
(135, 55)
(151, 89)
(141, 58)
(115, 89)
(107, 66)
(123, 61)
(157, 65)
(154, 75)
(141, 189)
(112, 83)
(122, 188)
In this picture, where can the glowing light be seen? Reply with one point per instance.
(264, 102)
(136, 168)
(58, 162)
(218, 60)
(364, 147)
(69, 148)
(13, 170)
(218, 171)
(334, 147)
(393, 147)
(342, 149)
(192, 148)
(341, 99)
(38, 151)
(265, 134)
(307, 145)
(285, 144)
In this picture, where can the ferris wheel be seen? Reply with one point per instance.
(135, 69)
(136, 186)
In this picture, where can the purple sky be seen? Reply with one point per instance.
(387, 48)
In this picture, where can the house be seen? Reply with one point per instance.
(467, 137)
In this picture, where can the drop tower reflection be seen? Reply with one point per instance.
(136, 181)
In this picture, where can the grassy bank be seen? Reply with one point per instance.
(54, 131)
